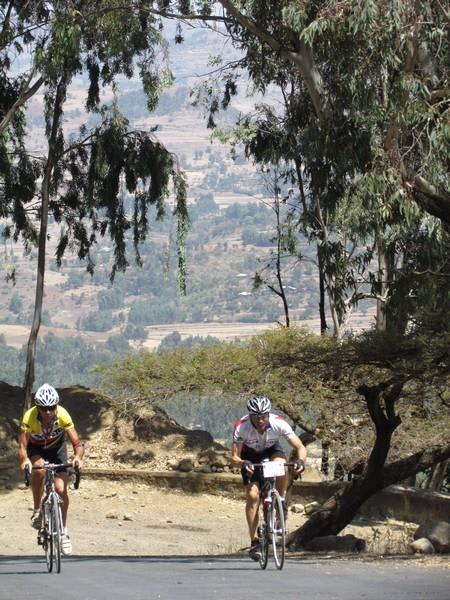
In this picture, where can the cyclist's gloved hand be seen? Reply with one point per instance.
(248, 466)
(299, 465)
(76, 463)
(26, 465)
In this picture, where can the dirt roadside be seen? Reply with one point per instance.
(124, 518)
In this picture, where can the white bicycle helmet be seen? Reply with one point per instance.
(46, 395)
(259, 405)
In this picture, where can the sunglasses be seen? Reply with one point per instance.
(260, 415)
(47, 408)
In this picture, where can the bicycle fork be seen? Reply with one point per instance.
(46, 509)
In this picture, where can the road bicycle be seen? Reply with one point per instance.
(51, 530)
(271, 521)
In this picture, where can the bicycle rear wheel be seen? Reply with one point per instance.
(263, 539)
(278, 529)
(56, 532)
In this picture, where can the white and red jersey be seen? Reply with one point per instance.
(246, 433)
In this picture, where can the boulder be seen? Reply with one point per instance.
(186, 465)
(438, 532)
(297, 508)
(214, 458)
(205, 469)
(422, 546)
(335, 543)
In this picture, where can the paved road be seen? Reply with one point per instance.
(220, 578)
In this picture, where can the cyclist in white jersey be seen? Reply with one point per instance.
(256, 437)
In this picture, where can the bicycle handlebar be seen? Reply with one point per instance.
(53, 467)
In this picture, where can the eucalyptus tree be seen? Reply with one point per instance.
(367, 61)
(81, 180)
(382, 61)
(368, 110)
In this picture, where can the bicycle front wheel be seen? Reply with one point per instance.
(278, 529)
(47, 539)
(56, 532)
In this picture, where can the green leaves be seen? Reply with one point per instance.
(106, 40)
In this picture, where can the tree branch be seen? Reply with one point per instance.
(302, 58)
(434, 201)
(24, 96)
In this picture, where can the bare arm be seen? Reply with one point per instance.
(77, 445)
(299, 448)
(236, 459)
(22, 451)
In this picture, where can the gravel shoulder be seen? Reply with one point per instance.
(123, 518)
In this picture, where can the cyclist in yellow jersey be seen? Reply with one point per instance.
(42, 437)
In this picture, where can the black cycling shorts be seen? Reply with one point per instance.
(256, 457)
(57, 455)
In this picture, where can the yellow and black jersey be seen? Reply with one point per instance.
(52, 437)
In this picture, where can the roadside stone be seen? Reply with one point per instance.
(112, 515)
(297, 508)
(185, 465)
(438, 532)
(127, 517)
(422, 546)
(216, 459)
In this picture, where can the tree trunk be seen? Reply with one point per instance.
(60, 94)
(323, 236)
(339, 510)
(278, 267)
(323, 319)
(39, 295)
(436, 476)
(382, 277)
